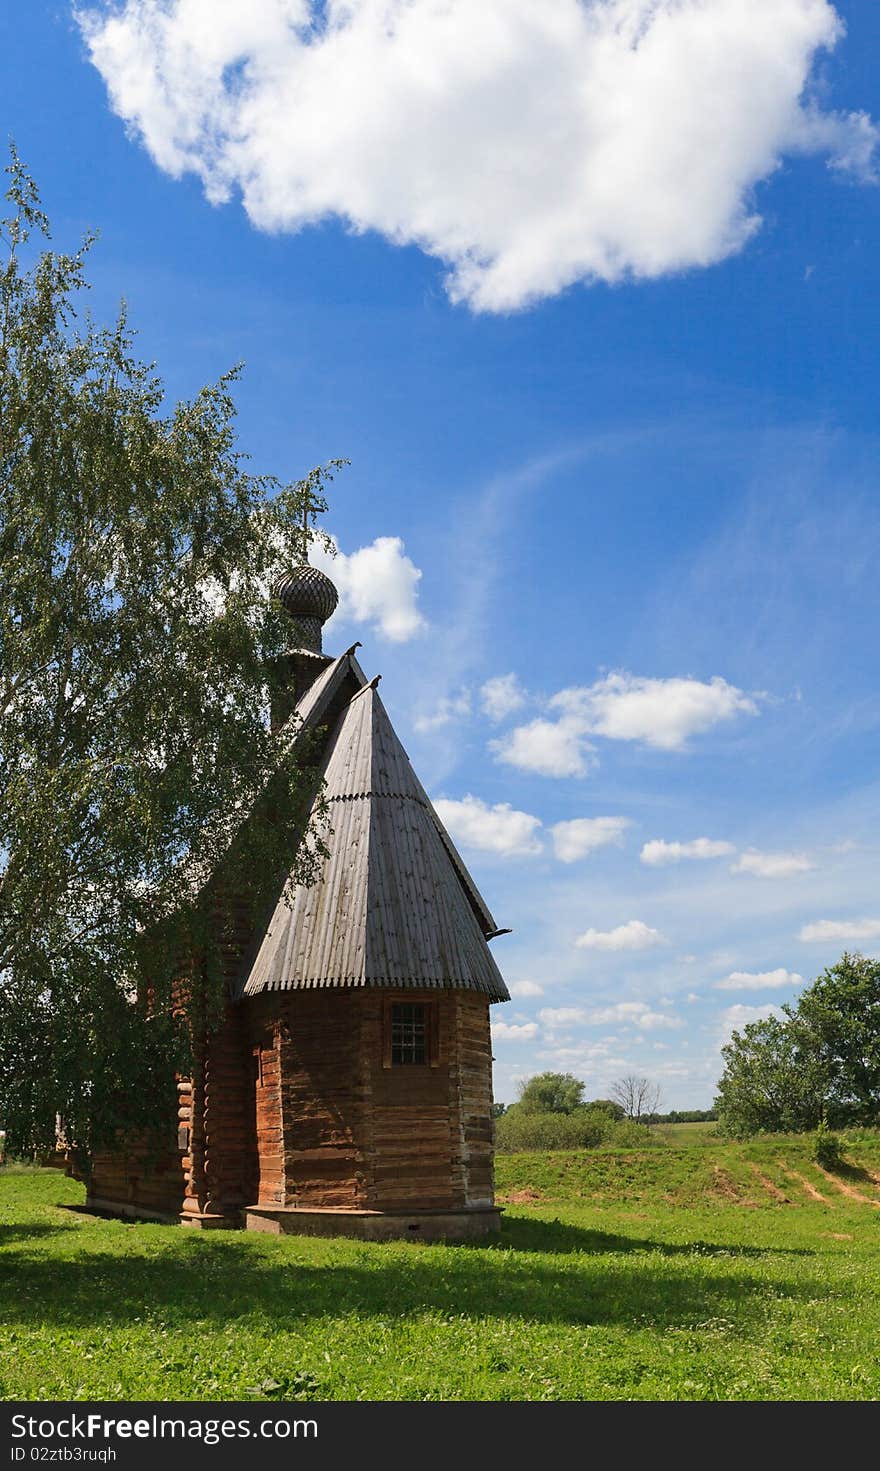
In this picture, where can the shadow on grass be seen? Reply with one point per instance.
(853, 1173)
(176, 1281)
(27, 1232)
(524, 1234)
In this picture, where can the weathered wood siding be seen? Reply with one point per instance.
(335, 1127)
(291, 1103)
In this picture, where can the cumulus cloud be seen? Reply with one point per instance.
(500, 829)
(622, 1013)
(447, 709)
(841, 929)
(527, 146)
(502, 695)
(658, 852)
(378, 584)
(772, 865)
(761, 980)
(510, 1032)
(663, 713)
(582, 835)
(525, 988)
(634, 935)
(734, 1018)
(547, 747)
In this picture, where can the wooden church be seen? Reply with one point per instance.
(349, 1087)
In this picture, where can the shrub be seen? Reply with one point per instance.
(522, 1129)
(607, 1105)
(628, 1134)
(827, 1147)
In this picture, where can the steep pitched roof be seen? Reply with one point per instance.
(394, 905)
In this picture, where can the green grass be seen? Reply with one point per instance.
(696, 1133)
(672, 1273)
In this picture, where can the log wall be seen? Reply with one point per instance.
(292, 1103)
(336, 1127)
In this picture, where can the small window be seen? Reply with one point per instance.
(409, 1034)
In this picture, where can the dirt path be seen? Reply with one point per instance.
(772, 1190)
(848, 1189)
(805, 1184)
(726, 1187)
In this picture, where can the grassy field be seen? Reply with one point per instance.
(698, 1270)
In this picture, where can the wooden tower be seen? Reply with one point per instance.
(349, 1089)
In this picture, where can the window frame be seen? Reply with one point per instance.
(432, 1034)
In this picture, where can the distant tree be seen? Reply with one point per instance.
(774, 1079)
(840, 1013)
(608, 1105)
(498, 1109)
(686, 1116)
(550, 1093)
(137, 648)
(637, 1096)
(819, 1060)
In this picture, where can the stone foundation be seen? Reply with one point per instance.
(366, 1225)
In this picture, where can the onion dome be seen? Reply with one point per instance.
(310, 598)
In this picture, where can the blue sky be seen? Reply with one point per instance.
(615, 402)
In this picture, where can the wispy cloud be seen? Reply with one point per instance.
(772, 865)
(447, 710)
(658, 851)
(621, 1013)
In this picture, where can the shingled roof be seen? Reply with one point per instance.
(394, 905)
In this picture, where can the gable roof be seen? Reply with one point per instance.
(394, 905)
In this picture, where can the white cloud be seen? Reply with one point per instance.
(631, 1013)
(841, 929)
(772, 865)
(557, 1017)
(693, 996)
(657, 851)
(499, 829)
(378, 584)
(528, 146)
(447, 709)
(734, 1018)
(525, 988)
(634, 935)
(548, 747)
(509, 1032)
(502, 695)
(582, 835)
(663, 713)
(762, 980)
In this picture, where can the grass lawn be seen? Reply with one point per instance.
(705, 1271)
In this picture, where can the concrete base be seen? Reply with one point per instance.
(461, 1225)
